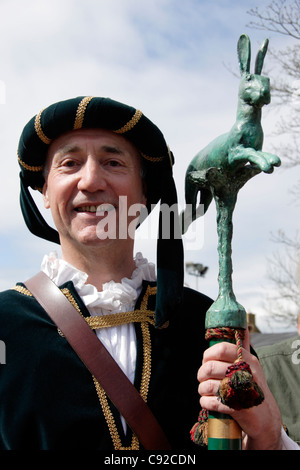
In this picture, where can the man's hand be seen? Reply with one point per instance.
(260, 424)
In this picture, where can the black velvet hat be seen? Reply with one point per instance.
(95, 112)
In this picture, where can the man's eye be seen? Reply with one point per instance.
(69, 163)
(114, 163)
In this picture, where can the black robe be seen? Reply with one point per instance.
(48, 399)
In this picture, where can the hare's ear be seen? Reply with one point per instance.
(244, 53)
(260, 57)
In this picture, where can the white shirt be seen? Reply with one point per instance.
(115, 297)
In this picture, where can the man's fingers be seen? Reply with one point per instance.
(212, 370)
(225, 351)
(209, 387)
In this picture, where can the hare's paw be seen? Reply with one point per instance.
(263, 161)
(268, 161)
(240, 156)
(273, 160)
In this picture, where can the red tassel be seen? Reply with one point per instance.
(199, 432)
(238, 390)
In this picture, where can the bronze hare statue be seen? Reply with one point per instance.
(233, 158)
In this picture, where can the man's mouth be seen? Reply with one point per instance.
(99, 209)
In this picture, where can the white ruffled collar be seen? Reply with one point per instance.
(115, 297)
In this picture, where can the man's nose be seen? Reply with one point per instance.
(92, 176)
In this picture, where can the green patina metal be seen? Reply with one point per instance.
(218, 172)
(222, 168)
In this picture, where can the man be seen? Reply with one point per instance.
(281, 366)
(86, 155)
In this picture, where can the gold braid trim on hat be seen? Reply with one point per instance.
(130, 124)
(152, 159)
(39, 130)
(80, 112)
(28, 167)
(158, 159)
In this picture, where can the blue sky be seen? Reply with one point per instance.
(167, 58)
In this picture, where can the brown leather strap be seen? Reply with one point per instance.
(99, 362)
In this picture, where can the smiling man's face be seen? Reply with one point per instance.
(85, 169)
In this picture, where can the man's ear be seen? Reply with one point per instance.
(45, 196)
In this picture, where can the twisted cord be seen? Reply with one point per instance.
(235, 334)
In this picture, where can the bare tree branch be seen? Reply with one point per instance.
(279, 17)
(283, 271)
(283, 17)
